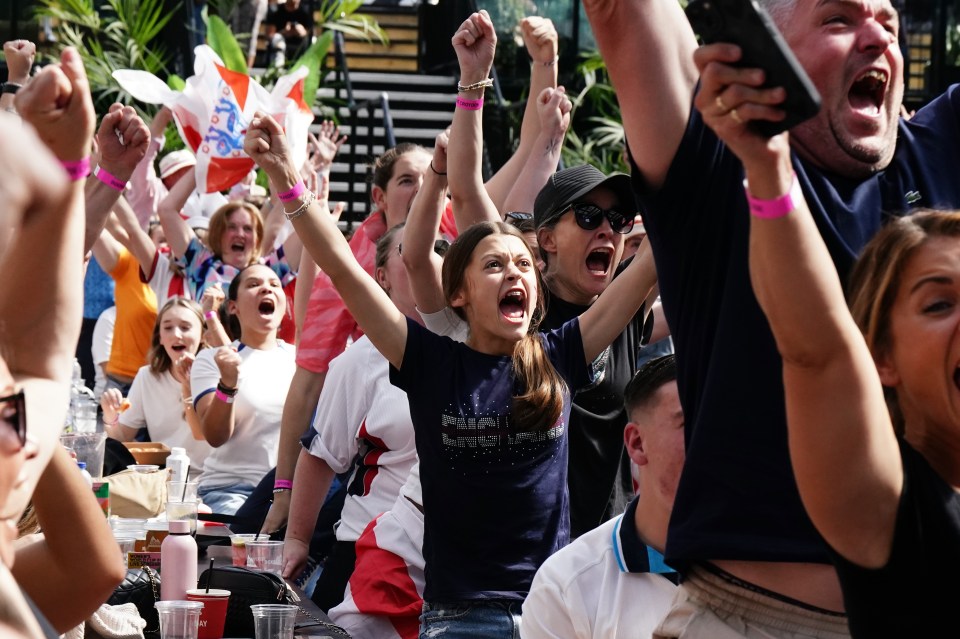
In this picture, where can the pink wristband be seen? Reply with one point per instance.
(282, 483)
(77, 170)
(470, 105)
(293, 193)
(114, 183)
(223, 397)
(777, 207)
(210, 314)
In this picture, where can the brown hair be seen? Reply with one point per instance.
(540, 404)
(875, 279)
(157, 356)
(218, 224)
(383, 165)
(385, 245)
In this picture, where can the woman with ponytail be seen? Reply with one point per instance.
(491, 435)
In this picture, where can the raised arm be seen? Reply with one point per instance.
(19, 56)
(844, 452)
(146, 188)
(122, 141)
(175, 228)
(553, 109)
(137, 241)
(420, 231)
(540, 39)
(45, 211)
(648, 47)
(609, 315)
(380, 320)
(475, 43)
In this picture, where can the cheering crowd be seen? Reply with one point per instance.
(464, 387)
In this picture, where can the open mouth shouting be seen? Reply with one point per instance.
(267, 307)
(599, 261)
(513, 305)
(178, 348)
(867, 94)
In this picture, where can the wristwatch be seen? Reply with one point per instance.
(10, 87)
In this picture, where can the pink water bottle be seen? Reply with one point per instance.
(178, 562)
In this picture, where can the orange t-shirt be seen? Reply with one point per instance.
(136, 315)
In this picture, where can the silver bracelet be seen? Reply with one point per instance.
(482, 84)
(308, 199)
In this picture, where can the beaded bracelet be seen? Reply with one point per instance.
(482, 84)
(300, 210)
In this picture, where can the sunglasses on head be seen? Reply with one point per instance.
(518, 216)
(13, 411)
(440, 247)
(590, 216)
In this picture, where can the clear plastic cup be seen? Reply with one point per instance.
(127, 544)
(265, 555)
(273, 621)
(238, 547)
(179, 619)
(183, 511)
(89, 448)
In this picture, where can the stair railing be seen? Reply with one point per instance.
(370, 121)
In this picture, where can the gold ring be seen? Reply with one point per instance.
(735, 116)
(721, 105)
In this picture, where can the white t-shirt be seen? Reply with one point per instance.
(261, 392)
(446, 322)
(360, 411)
(581, 592)
(156, 401)
(100, 347)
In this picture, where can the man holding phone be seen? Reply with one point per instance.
(753, 563)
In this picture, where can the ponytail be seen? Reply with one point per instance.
(540, 404)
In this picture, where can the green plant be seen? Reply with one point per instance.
(953, 39)
(596, 116)
(117, 34)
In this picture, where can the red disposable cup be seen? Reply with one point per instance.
(214, 613)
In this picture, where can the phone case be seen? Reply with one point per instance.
(746, 24)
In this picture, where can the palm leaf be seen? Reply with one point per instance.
(221, 40)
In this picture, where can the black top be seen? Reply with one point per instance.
(916, 593)
(599, 471)
(737, 497)
(494, 499)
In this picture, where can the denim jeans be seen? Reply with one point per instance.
(225, 500)
(471, 619)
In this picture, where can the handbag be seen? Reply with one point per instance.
(141, 587)
(249, 587)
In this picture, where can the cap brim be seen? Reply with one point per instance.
(619, 183)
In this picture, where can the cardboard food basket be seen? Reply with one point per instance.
(149, 452)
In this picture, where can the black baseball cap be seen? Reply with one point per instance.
(567, 186)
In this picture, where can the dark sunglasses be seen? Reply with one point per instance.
(13, 411)
(440, 247)
(590, 216)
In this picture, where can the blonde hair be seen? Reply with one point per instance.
(159, 359)
(218, 224)
(875, 279)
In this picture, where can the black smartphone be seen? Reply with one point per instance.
(746, 24)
